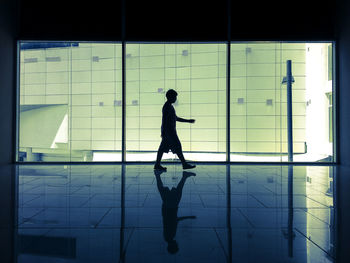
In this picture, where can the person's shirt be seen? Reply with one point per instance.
(168, 119)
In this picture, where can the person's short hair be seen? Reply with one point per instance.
(171, 94)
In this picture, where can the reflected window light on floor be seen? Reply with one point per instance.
(215, 213)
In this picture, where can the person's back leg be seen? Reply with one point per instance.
(185, 165)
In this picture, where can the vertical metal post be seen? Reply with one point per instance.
(291, 234)
(289, 80)
(289, 110)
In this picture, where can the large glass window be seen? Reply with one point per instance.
(198, 73)
(70, 100)
(258, 118)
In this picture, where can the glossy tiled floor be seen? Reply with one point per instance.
(214, 213)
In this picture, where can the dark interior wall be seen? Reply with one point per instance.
(70, 20)
(8, 34)
(343, 21)
(162, 21)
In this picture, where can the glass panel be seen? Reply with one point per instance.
(198, 73)
(71, 105)
(319, 105)
(258, 115)
(70, 101)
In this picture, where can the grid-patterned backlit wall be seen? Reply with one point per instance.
(258, 100)
(71, 98)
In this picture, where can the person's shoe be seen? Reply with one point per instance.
(159, 167)
(188, 166)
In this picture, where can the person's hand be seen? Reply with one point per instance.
(191, 120)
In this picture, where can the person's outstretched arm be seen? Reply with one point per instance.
(185, 120)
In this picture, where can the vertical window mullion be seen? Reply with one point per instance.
(228, 101)
(123, 102)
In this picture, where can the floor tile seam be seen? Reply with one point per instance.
(126, 186)
(62, 207)
(277, 195)
(225, 194)
(203, 204)
(66, 207)
(28, 201)
(144, 201)
(78, 189)
(102, 227)
(221, 244)
(34, 187)
(278, 207)
(199, 206)
(53, 184)
(139, 184)
(83, 207)
(161, 227)
(28, 219)
(233, 206)
(60, 194)
(69, 198)
(66, 227)
(87, 201)
(249, 192)
(316, 217)
(257, 228)
(322, 194)
(31, 180)
(246, 218)
(316, 186)
(313, 242)
(269, 189)
(317, 202)
(101, 219)
(222, 190)
(258, 200)
(125, 248)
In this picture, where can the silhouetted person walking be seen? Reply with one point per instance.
(171, 199)
(170, 140)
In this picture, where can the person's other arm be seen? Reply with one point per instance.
(185, 120)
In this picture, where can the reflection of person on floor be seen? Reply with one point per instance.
(171, 199)
(170, 140)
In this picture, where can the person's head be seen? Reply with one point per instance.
(173, 248)
(171, 95)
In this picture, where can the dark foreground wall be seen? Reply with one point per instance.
(343, 196)
(344, 81)
(160, 20)
(8, 32)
